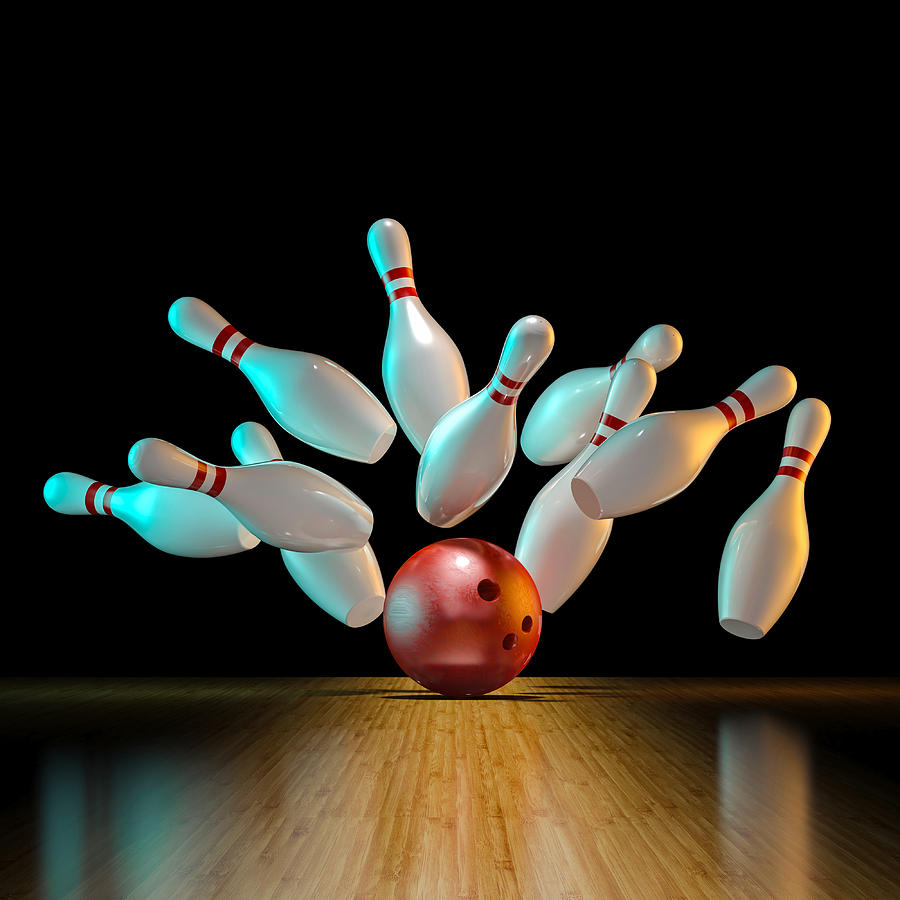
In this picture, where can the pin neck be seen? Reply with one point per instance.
(606, 421)
(615, 366)
(220, 476)
(238, 349)
(795, 454)
(737, 408)
(398, 282)
(90, 499)
(504, 390)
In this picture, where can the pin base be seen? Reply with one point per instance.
(382, 444)
(365, 611)
(586, 499)
(742, 629)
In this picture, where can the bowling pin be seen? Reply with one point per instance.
(560, 424)
(424, 374)
(655, 457)
(312, 398)
(179, 522)
(768, 548)
(471, 448)
(347, 584)
(558, 544)
(283, 503)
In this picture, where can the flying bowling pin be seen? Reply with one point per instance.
(347, 584)
(284, 504)
(471, 448)
(311, 397)
(655, 457)
(423, 371)
(561, 422)
(179, 522)
(558, 544)
(768, 548)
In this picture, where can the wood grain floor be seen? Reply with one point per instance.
(373, 787)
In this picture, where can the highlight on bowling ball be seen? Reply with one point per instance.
(462, 617)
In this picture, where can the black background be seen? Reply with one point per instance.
(746, 251)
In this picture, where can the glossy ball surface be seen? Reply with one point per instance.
(462, 617)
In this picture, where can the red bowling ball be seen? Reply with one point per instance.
(462, 617)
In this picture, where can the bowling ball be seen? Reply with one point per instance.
(462, 617)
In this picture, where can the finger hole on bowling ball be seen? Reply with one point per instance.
(488, 590)
(526, 624)
(510, 642)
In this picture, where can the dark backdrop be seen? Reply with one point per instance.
(745, 258)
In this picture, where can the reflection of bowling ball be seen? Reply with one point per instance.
(462, 617)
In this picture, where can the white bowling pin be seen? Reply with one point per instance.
(311, 397)
(657, 456)
(180, 522)
(471, 448)
(768, 548)
(558, 544)
(561, 422)
(283, 503)
(347, 584)
(423, 371)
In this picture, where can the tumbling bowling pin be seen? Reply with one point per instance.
(312, 398)
(347, 584)
(472, 446)
(180, 522)
(423, 371)
(768, 548)
(282, 503)
(657, 456)
(558, 544)
(562, 420)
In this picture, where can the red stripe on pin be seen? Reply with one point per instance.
(728, 412)
(799, 453)
(89, 496)
(408, 291)
(240, 350)
(107, 501)
(218, 481)
(746, 405)
(394, 274)
(598, 439)
(799, 474)
(508, 382)
(222, 339)
(199, 478)
(502, 399)
(612, 421)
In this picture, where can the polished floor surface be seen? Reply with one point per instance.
(373, 787)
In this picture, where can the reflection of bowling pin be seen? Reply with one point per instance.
(172, 520)
(312, 398)
(282, 503)
(562, 420)
(423, 371)
(472, 446)
(766, 804)
(347, 584)
(657, 456)
(768, 548)
(558, 543)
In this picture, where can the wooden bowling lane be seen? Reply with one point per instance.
(373, 787)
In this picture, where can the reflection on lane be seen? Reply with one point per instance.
(764, 801)
(63, 820)
(122, 808)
